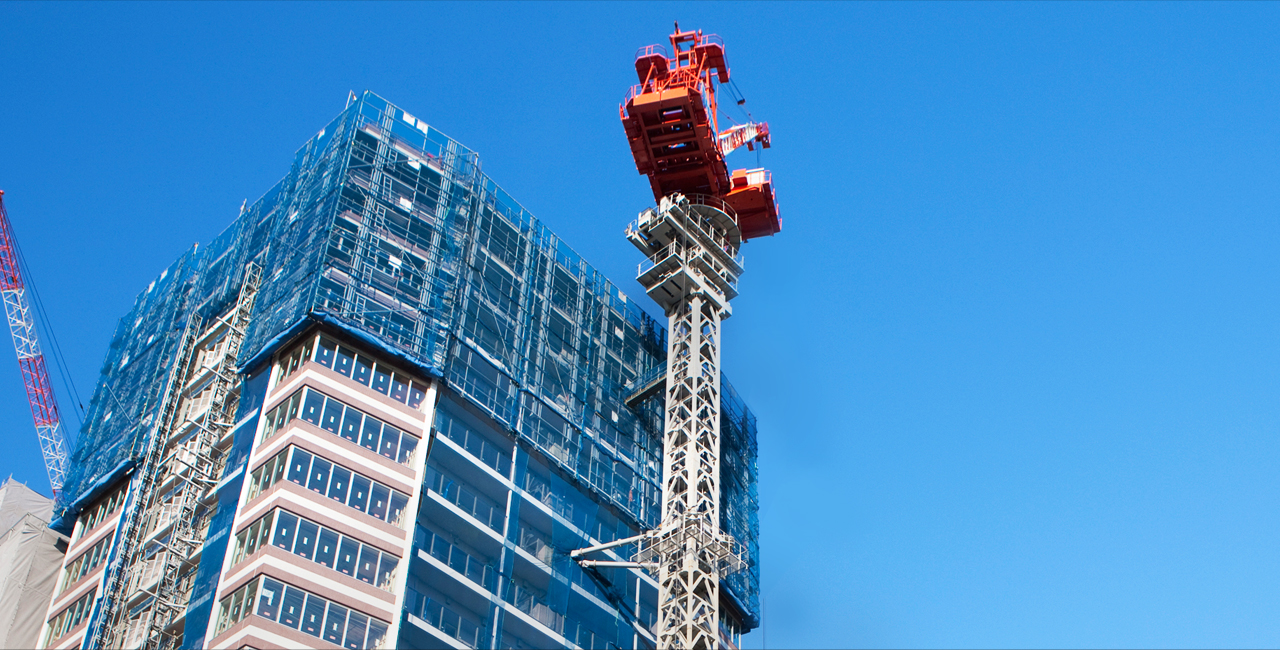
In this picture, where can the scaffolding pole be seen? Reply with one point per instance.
(147, 592)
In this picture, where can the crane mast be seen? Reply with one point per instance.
(35, 376)
(692, 242)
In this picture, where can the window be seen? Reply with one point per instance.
(87, 561)
(292, 360)
(103, 508)
(70, 617)
(268, 473)
(300, 610)
(251, 539)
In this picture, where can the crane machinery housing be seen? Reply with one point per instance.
(35, 374)
(692, 243)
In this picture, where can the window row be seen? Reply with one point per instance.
(331, 480)
(339, 419)
(104, 508)
(69, 617)
(321, 545)
(86, 562)
(499, 458)
(292, 360)
(367, 372)
(480, 571)
(444, 618)
(461, 495)
(300, 610)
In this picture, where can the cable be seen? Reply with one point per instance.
(55, 348)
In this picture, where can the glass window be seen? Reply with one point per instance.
(291, 607)
(398, 503)
(269, 598)
(399, 388)
(362, 369)
(286, 530)
(299, 467)
(306, 544)
(368, 567)
(237, 604)
(319, 475)
(294, 403)
(359, 493)
(357, 625)
(348, 552)
(327, 548)
(381, 380)
(379, 496)
(335, 623)
(390, 442)
(313, 616)
(372, 429)
(458, 561)
(385, 566)
(408, 444)
(332, 419)
(342, 362)
(311, 407)
(351, 425)
(417, 392)
(339, 483)
(377, 630)
(279, 469)
(251, 539)
(324, 354)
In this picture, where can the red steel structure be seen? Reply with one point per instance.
(35, 376)
(672, 124)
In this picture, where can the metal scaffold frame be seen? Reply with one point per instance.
(147, 592)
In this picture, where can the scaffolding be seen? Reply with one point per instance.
(147, 592)
(387, 229)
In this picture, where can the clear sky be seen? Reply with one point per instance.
(1014, 354)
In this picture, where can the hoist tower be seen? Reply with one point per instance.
(692, 242)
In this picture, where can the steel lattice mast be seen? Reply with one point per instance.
(692, 243)
(35, 376)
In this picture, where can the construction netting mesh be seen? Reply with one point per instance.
(388, 228)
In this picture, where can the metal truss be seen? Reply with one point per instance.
(692, 272)
(147, 594)
(35, 376)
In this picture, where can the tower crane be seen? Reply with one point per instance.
(692, 242)
(35, 376)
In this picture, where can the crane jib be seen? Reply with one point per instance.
(26, 343)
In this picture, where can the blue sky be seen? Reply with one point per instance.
(1013, 354)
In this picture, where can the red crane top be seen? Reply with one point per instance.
(671, 122)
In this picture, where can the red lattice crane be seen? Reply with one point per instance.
(671, 119)
(35, 376)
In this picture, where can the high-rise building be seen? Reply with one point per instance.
(380, 410)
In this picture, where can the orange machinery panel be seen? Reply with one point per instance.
(671, 123)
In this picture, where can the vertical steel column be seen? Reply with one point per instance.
(692, 245)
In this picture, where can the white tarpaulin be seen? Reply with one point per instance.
(30, 558)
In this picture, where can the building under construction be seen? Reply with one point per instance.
(386, 407)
